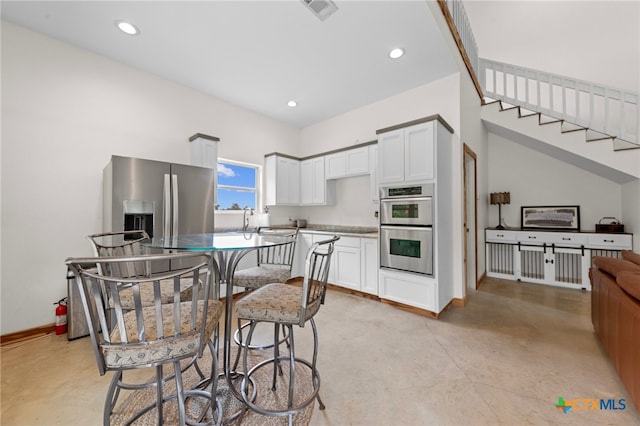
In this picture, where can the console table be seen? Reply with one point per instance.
(559, 258)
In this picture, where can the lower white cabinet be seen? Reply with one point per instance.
(354, 263)
(409, 289)
(554, 258)
(369, 265)
(345, 263)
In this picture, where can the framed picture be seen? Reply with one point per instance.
(550, 217)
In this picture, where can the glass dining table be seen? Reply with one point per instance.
(228, 249)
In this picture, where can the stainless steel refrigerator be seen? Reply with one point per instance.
(164, 199)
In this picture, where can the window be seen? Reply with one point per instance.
(238, 185)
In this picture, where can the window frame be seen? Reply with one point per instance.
(257, 189)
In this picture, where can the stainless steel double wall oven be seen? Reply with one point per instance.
(406, 228)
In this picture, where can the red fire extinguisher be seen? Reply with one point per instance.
(61, 316)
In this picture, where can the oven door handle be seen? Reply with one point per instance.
(406, 228)
(395, 200)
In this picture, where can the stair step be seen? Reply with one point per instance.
(567, 127)
(593, 136)
(527, 113)
(622, 145)
(545, 119)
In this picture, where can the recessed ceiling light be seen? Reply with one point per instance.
(292, 103)
(127, 28)
(396, 53)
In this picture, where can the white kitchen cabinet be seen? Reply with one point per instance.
(354, 263)
(409, 289)
(335, 165)
(350, 162)
(345, 261)
(282, 175)
(407, 154)
(369, 264)
(357, 160)
(314, 189)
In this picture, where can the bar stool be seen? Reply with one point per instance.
(153, 334)
(286, 305)
(274, 265)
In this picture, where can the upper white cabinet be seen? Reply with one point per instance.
(310, 181)
(407, 154)
(357, 161)
(351, 162)
(282, 175)
(314, 189)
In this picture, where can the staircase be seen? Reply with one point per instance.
(602, 112)
(574, 144)
(586, 124)
(590, 135)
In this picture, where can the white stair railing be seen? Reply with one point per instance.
(606, 110)
(460, 20)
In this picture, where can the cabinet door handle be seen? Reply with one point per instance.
(609, 241)
(500, 235)
(532, 237)
(566, 239)
(548, 261)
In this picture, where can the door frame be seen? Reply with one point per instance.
(469, 161)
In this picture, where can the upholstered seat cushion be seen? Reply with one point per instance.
(259, 276)
(631, 256)
(614, 266)
(275, 302)
(630, 282)
(154, 350)
(146, 293)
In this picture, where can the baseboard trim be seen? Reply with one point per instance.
(459, 303)
(27, 334)
(412, 309)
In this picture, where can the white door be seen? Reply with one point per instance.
(470, 219)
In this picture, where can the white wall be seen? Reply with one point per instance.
(65, 111)
(474, 134)
(536, 179)
(630, 215)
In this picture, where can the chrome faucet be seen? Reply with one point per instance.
(245, 219)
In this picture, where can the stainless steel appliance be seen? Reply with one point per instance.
(164, 199)
(406, 228)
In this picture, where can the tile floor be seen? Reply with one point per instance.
(505, 358)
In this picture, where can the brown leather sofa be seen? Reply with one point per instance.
(615, 314)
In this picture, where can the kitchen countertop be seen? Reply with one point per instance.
(347, 231)
(351, 231)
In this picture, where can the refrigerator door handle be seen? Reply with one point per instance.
(166, 206)
(174, 204)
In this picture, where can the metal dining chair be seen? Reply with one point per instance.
(274, 265)
(151, 333)
(286, 305)
(129, 243)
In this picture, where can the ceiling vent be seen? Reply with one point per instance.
(321, 8)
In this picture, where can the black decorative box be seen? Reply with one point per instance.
(611, 228)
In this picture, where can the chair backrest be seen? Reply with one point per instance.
(316, 274)
(152, 323)
(120, 243)
(279, 256)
